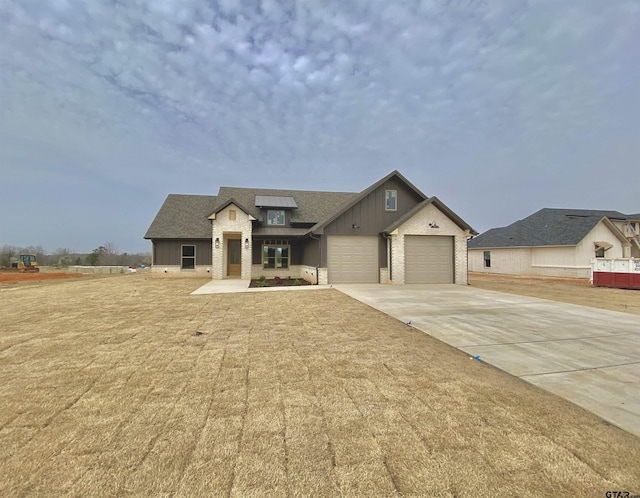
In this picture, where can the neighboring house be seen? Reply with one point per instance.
(390, 233)
(556, 242)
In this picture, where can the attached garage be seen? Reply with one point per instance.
(352, 259)
(428, 259)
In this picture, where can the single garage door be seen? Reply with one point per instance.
(428, 259)
(352, 259)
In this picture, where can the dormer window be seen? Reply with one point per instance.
(275, 217)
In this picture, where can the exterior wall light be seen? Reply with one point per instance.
(217, 242)
(433, 224)
(355, 225)
(246, 243)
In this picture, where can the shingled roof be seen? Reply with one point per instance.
(547, 227)
(184, 217)
(313, 206)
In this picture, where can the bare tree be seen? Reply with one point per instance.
(6, 253)
(37, 250)
(62, 256)
(110, 254)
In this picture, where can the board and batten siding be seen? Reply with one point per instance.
(311, 252)
(370, 215)
(169, 252)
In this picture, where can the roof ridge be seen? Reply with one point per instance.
(288, 190)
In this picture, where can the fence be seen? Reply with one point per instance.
(621, 273)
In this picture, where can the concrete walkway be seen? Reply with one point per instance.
(234, 285)
(589, 356)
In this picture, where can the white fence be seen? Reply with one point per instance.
(98, 269)
(630, 265)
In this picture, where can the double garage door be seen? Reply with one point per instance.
(352, 259)
(428, 259)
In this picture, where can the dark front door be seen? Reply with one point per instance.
(234, 266)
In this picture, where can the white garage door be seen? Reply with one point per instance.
(352, 259)
(428, 259)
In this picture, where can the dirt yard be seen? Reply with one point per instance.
(7, 277)
(567, 290)
(129, 386)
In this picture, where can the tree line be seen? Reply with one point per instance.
(105, 255)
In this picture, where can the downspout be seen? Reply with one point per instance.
(317, 267)
(389, 255)
(468, 239)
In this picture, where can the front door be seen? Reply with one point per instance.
(234, 266)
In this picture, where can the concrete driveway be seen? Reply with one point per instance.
(586, 355)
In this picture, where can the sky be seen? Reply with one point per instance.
(498, 108)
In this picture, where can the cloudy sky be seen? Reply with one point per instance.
(497, 107)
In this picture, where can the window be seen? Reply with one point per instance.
(232, 215)
(601, 248)
(390, 199)
(188, 257)
(487, 259)
(275, 256)
(275, 217)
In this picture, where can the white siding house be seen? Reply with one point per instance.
(551, 242)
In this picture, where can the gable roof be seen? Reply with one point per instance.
(188, 216)
(229, 202)
(548, 227)
(441, 206)
(312, 206)
(358, 197)
(183, 216)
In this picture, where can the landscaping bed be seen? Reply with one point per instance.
(277, 282)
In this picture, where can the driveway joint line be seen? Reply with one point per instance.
(584, 369)
(489, 344)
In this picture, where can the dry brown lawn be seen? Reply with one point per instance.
(567, 290)
(106, 390)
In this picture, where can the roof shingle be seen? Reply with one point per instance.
(186, 216)
(312, 205)
(183, 216)
(547, 227)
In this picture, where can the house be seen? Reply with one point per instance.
(556, 242)
(390, 233)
